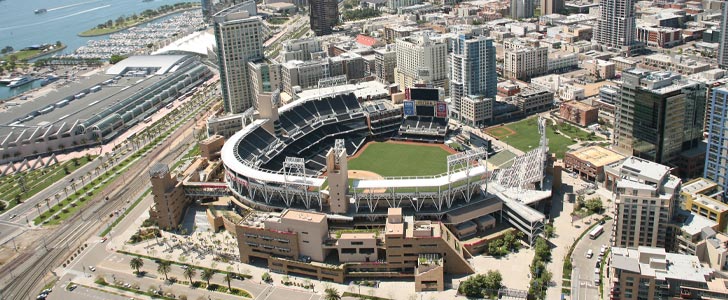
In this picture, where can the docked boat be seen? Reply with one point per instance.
(48, 80)
(20, 81)
(40, 11)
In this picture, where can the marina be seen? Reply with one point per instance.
(140, 37)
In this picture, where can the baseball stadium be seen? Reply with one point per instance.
(339, 187)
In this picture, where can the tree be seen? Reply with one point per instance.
(594, 205)
(207, 275)
(228, 278)
(189, 273)
(266, 277)
(549, 231)
(164, 267)
(136, 264)
(542, 249)
(58, 43)
(115, 58)
(492, 282)
(37, 205)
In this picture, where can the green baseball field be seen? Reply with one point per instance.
(396, 159)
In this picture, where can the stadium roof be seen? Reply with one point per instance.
(232, 162)
(164, 63)
(197, 42)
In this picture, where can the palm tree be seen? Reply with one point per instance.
(331, 294)
(37, 205)
(48, 203)
(207, 275)
(164, 267)
(189, 273)
(228, 278)
(136, 264)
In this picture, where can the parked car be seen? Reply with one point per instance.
(589, 253)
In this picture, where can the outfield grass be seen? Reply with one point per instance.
(527, 137)
(390, 159)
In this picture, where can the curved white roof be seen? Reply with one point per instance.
(232, 162)
(197, 42)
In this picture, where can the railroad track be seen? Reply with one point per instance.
(78, 228)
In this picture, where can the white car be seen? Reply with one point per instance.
(92, 268)
(589, 253)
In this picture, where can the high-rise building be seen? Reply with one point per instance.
(324, 14)
(472, 72)
(660, 118)
(716, 158)
(239, 40)
(522, 9)
(421, 59)
(723, 42)
(552, 7)
(646, 195)
(616, 25)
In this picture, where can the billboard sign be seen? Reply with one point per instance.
(441, 111)
(409, 108)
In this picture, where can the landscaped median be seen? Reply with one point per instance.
(21, 186)
(80, 197)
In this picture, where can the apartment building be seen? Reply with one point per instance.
(702, 197)
(646, 195)
(616, 27)
(300, 49)
(532, 100)
(522, 9)
(652, 273)
(421, 59)
(677, 63)
(589, 162)
(473, 75)
(723, 39)
(476, 111)
(660, 118)
(523, 60)
(561, 61)
(385, 60)
(661, 37)
(716, 157)
(239, 36)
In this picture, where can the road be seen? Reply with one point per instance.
(583, 274)
(21, 277)
(26, 211)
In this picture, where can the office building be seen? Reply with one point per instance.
(524, 61)
(324, 14)
(646, 196)
(522, 9)
(473, 71)
(533, 100)
(723, 39)
(170, 201)
(616, 27)
(716, 157)
(421, 59)
(589, 162)
(238, 32)
(660, 118)
(652, 273)
(549, 7)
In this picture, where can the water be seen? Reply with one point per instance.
(21, 27)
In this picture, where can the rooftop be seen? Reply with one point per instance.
(597, 156)
(300, 215)
(660, 265)
(161, 63)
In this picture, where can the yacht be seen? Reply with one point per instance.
(16, 82)
(48, 80)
